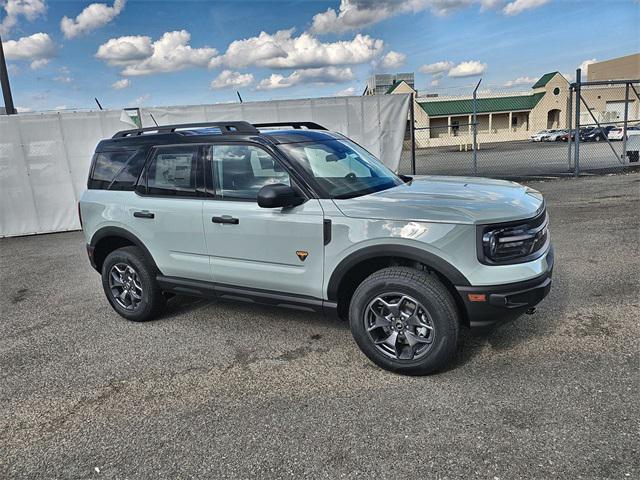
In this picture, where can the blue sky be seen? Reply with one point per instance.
(125, 53)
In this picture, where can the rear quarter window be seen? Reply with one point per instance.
(117, 170)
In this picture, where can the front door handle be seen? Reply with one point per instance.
(225, 219)
(144, 214)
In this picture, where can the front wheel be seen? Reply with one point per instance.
(405, 320)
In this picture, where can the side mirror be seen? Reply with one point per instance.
(278, 195)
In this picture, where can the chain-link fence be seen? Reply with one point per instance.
(510, 134)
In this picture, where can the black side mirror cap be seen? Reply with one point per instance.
(406, 178)
(278, 195)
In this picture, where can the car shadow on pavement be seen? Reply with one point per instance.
(503, 338)
(179, 305)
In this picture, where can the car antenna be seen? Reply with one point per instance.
(154, 120)
(99, 106)
(239, 96)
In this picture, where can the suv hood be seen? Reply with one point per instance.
(466, 200)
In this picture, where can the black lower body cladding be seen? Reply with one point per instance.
(489, 306)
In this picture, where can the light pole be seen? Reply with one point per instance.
(4, 82)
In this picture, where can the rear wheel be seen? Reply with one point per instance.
(130, 286)
(405, 320)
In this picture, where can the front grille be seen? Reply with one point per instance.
(513, 242)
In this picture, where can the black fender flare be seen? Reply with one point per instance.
(432, 261)
(105, 232)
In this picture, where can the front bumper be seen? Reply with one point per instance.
(489, 306)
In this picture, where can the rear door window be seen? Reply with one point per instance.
(174, 171)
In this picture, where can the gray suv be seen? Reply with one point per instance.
(293, 215)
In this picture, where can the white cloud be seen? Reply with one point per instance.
(393, 60)
(434, 83)
(24, 109)
(40, 63)
(438, 67)
(568, 76)
(284, 50)
(346, 92)
(468, 69)
(229, 79)
(125, 50)
(64, 79)
(120, 84)
(311, 75)
(60, 107)
(91, 18)
(584, 66)
(37, 48)
(140, 101)
(521, 81)
(356, 14)
(519, 6)
(139, 56)
(29, 9)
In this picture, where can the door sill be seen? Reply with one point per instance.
(199, 288)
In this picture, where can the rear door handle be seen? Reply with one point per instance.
(225, 219)
(144, 214)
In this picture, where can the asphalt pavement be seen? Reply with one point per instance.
(229, 390)
(517, 159)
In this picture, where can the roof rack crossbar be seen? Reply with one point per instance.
(226, 128)
(295, 125)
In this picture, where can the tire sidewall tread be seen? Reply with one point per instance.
(152, 299)
(434, 296)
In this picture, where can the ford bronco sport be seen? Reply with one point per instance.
(296, 216)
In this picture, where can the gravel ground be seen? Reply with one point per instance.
(215, 390)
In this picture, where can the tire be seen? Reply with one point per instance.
(146, 300)
(435, 306)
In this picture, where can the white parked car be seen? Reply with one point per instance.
(538, 137)
(554, 135)
(616, 133)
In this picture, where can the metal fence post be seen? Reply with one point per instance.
(624, 125)
(569, 123)
(475, 129)
(412, 122)
(577, 130)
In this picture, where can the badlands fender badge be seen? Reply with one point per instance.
(302, 255)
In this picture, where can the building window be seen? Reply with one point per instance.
(556, 91)
(514, 121)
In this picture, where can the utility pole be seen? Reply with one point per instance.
(4, 82)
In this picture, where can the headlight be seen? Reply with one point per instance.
(513, 242)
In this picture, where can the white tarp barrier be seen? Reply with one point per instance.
(45, 158)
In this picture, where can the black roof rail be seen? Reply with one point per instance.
(295, 125)
(226, 128)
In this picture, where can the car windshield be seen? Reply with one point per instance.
(340, 168)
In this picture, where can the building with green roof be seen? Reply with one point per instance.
(501, 117)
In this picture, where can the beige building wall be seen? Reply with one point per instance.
(552, 110)
(603, 103)
(622, 68)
